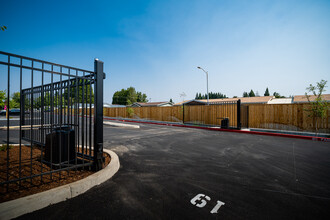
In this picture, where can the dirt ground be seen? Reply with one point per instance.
(37, 184)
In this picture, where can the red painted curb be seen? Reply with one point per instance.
(230, 130)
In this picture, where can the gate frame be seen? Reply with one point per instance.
(95, 77)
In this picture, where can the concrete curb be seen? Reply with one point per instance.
(120, 124)
(21, 206)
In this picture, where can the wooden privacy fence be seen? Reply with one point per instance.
(285, 117)
(280, 116)
(211, 114)
(195, 114)
(172, 114)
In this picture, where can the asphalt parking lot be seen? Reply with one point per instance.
(183, 173)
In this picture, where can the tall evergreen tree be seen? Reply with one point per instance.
(266, 92)
(245, 94)
(212, 95)
(251, 93)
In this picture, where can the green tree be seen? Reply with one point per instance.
(130, 112)
(251, 93)
(318, 107)
(77, 93)
(16, 100)
(128, 96)
(277, 95)
(266, 92)
(245, 94)
(212, 95)
(2, 99)
(171, 101)
(141, 97)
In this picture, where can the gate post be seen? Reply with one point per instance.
(239, 114)
(98, 114)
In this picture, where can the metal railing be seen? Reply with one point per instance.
(60, 122)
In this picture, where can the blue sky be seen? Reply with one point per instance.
(156, 46)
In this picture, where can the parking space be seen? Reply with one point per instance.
(183, 173)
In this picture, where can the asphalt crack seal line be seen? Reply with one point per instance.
(21, 206)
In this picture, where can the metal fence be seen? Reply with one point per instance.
(60, 121)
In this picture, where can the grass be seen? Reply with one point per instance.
(3, 147)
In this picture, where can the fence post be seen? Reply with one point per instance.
(182, 113)
(98, 114)
(247, 116)
(239, 114)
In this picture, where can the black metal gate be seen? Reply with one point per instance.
(60, 122)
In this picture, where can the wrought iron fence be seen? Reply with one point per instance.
(60, 121)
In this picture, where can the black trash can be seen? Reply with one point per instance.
(60, 146)
(225, 123)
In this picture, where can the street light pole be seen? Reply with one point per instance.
(207, 83)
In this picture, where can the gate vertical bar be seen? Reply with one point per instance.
(98, 113)
(31, 122)
(239, 114)
(7, 114)
(21, 120)
(42, 117)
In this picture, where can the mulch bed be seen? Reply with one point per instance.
(36, 184)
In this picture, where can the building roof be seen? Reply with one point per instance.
(303, 99)
(180, 103)
(113, 106)
(151, 104)
(244, 100)
(280, 101)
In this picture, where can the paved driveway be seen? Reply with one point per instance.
(183, 173)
